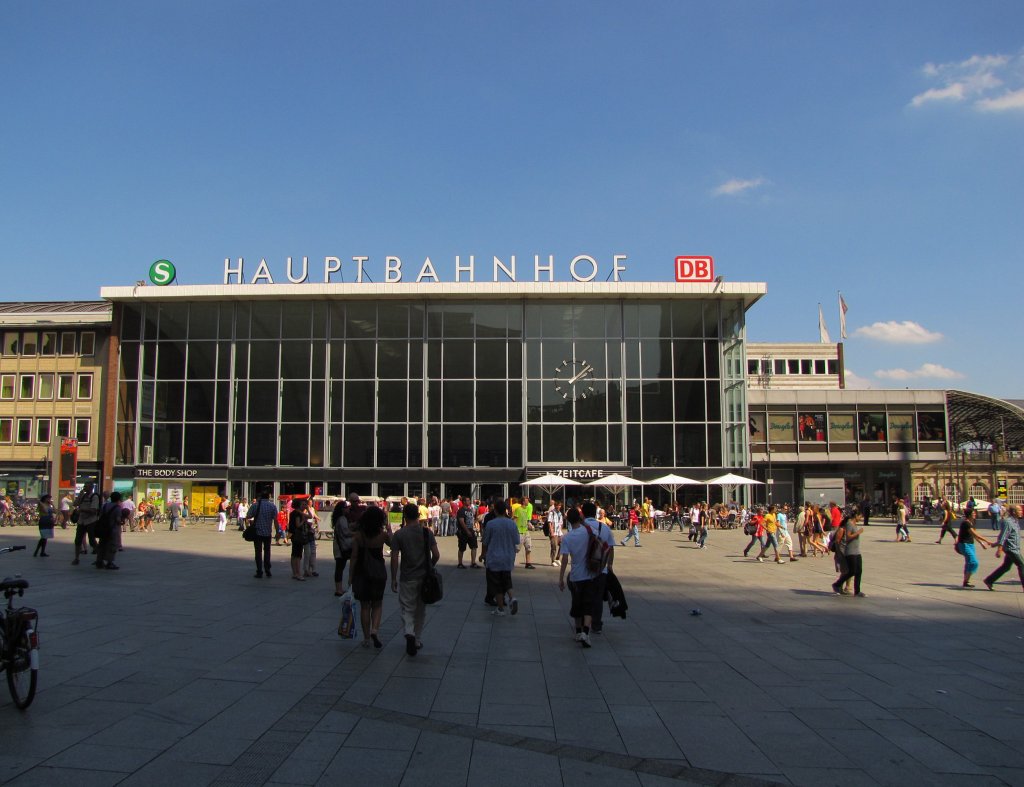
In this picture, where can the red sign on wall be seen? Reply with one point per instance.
(695, 269)
(67, 475)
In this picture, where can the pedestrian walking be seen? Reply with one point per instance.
(44, 508)
(947, 522)
(965, 541)
(368, 574)
(1008, 546)
(88, 506)
(849, 534)
(342, 545)
(411, 548)
(262, 516)
(501, 541)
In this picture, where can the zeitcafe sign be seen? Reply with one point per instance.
(391, 269)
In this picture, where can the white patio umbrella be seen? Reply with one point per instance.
(616, 482)
(550, 482)
(672, 482)
(731, 479)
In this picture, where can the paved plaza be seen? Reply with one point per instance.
(183, 669)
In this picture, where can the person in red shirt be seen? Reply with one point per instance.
(837, 515)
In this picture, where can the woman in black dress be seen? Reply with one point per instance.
(368, 575)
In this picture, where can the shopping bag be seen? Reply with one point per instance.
(347, 624)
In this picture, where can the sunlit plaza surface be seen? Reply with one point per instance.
(184, 669)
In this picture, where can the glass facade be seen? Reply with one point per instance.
(399, 385)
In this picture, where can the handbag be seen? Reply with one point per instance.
(432, 590)
(74, 516)
(249, 534)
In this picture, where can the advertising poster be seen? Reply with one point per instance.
(840, 428)
(931, 427)
(812, 427)
(871, 427)
(901, 427)
(758, 434)
(155, 494)
(175, 493)
(781, 428)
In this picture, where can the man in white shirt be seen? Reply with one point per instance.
(242, 513)
(586, 585)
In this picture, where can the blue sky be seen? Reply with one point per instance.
(872, 148)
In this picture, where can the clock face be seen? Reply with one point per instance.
(575, 380)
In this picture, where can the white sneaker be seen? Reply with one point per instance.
(499, 612)
(514, 606)
(760, 560)
(579, 636)
(584, 639)
(555, 563)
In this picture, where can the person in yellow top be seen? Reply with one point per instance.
(771, 537)
(522, 516)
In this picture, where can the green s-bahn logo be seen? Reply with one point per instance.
(162, 273)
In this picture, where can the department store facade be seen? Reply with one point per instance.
(446, 388)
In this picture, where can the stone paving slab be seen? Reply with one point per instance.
(181, 668)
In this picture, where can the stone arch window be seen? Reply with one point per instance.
(924, 492)
(950, 492)
(1016, 494)
(978, 491)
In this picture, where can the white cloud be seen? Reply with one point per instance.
(928, 371)
(1013, 99)
(854, 380)
(893, 332)
(736, 186)
(978, 78)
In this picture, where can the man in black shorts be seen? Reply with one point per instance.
(464, 532)
(501, 537)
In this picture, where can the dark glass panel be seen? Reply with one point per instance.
(131, 322)
(391, 446)
(336, 330)
(689, 358)
(243, 315)
(589, 320)
(393, 359)
(632, 359)
(263, 401)
(202, 322)
(458, 359)
(417, 318)
(125, 444)
(127, 397)
(167, 443)
(173, 320)
(515, 446)
(556, 321)
(199, 401)
(241, 398)
(294, 401)
(533, 320)
(262, 445)
(689, 404)
(615, 442)
(686, 319)
(392, 404)
(491, 363)
(296, 321)
(434, 445)
(591, 443)
(435, 322)
(150, 318)
(224, 360)
(654, 320)
(457, 446)
(295, 360)
(714, 445)
(223, 393)
(614, 401)
(634, 454)
(711, 354)
(263, 361)
(558, 445)
(361, 320)
(393, 322)
(415, 457)
(239, 445)
(170, 401)
(630, 321)
(129, 360)
(633, 412)
(334, 457)
(515, 400)
(170, 361)
(591, 407)
(690, 445)
(656, 359)
(266, 320)
(534, 444)
(295, 445)
(658, 445)
(202, 360)
(491, 320)
(415, 401)
(360, 362)
(458, 321)
(226, 316)
(657, 401)
(491, 446)
(220, 444)
(337, 399)
(337, 364)
(318, 311)
(714, 401)
(491, 401)
(515, 321)
(198, 444)
(555, 352)
(534, 402)
(317, 389)
(533, 371)
(359, 400)
(457, 401)
(711, 309)
(318, 353)
(242, 360)
(416, 361)
(434, 400)
(515, 360)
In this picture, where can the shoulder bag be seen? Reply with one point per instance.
(433, 586)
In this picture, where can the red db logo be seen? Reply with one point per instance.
(695, 269)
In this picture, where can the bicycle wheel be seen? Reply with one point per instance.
(21, 675)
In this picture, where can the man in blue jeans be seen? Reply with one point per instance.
(1008, 547)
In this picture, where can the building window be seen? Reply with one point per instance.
(43, 431)
(67, 343)
(65, 386)
(805, 366)
(82, 430)
(924, 492)
(63, 427)
(24, 430)
(6, 430)
(978, 492)
(27, 389)
(950, 492)
(30, 343)
(7, 386)
(780, 366)
(85, 386)
(753, 366)
(12, 342)
(819, 366)
(46, 385)
(833, 367)
(48, 344)
(87, 344)
(1016, 495)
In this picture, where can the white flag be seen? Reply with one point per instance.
(842, 316)
(822, 330)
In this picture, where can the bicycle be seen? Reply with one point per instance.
(19, 641)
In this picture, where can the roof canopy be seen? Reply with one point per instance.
(982, 419)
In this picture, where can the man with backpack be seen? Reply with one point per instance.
(590, 545)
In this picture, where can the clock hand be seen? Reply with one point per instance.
(582, 373)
